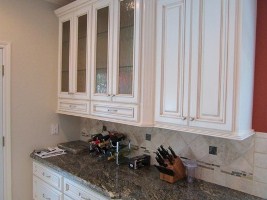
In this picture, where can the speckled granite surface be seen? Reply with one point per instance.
(120, 182)
(75, 147)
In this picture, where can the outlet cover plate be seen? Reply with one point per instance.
(212, 150)
(148, 137)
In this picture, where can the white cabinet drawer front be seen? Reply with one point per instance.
(76, 191)
(74, 106)
(48, 176)
(43, 191)
(67, 198)
(123, 112)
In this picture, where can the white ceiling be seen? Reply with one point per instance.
(60, 2)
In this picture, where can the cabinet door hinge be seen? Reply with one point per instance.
(3, 141)
(3, 70)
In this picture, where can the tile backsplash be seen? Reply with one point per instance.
(240, 165)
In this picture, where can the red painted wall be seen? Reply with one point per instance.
(260, 84)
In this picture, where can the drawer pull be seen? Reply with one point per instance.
(183, 118)
(67, 187)
(112, 110)
(191, 118)
(47, 198)
(80, 195)
(47, 176)
(73, 106)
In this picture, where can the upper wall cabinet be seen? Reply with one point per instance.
(116, 48)
(112, 42)
(205, 65)
(73, 81)
(73, 46)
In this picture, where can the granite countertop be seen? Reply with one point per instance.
(120, 182)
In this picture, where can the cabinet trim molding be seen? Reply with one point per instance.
(240, 135)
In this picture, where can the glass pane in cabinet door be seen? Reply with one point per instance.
(102, 50)
(81, 57)
(65, 56)
(126, 47)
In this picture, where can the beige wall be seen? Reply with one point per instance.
(32, 29)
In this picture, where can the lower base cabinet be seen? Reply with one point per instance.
(49, 185)
(43, 191)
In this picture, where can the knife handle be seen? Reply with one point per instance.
(173, 153)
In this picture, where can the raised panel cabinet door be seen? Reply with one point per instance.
(127, 30)
(102, 25)
(171, 105)
(212, 63)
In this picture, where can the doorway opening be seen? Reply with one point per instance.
(5, 128)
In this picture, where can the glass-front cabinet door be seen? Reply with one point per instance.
(102, 52)
(74, 44)
(81, 62)
(65, 59)
(126, 44)
(116, 38)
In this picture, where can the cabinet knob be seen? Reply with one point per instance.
(191, 118)
(47, 176)
(108, 95)
(73, 106)
(113, 95)
(47, 198)
(80, 195)
(183, 118)
(112, 110)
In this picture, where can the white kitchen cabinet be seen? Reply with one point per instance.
(205, 65)
(119, 61)
(115, 50)
(121, 89)
(48, 176)
(47, 185)
(76, 191)
(73, 68)
(118, 111)
(43, 191)
(171, 79)
(50, 185)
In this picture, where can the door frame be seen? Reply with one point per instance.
(6, 46)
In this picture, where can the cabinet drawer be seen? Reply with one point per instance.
(48, 176)
(124, 112)
(43, 191)
(74, 106)
(67, 198)
(76, 191)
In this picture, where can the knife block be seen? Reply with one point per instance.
(178, 168)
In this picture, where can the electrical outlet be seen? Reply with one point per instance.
(212, 150)
(148, 137)
(54, 129)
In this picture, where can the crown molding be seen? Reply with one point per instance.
(60, 2)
